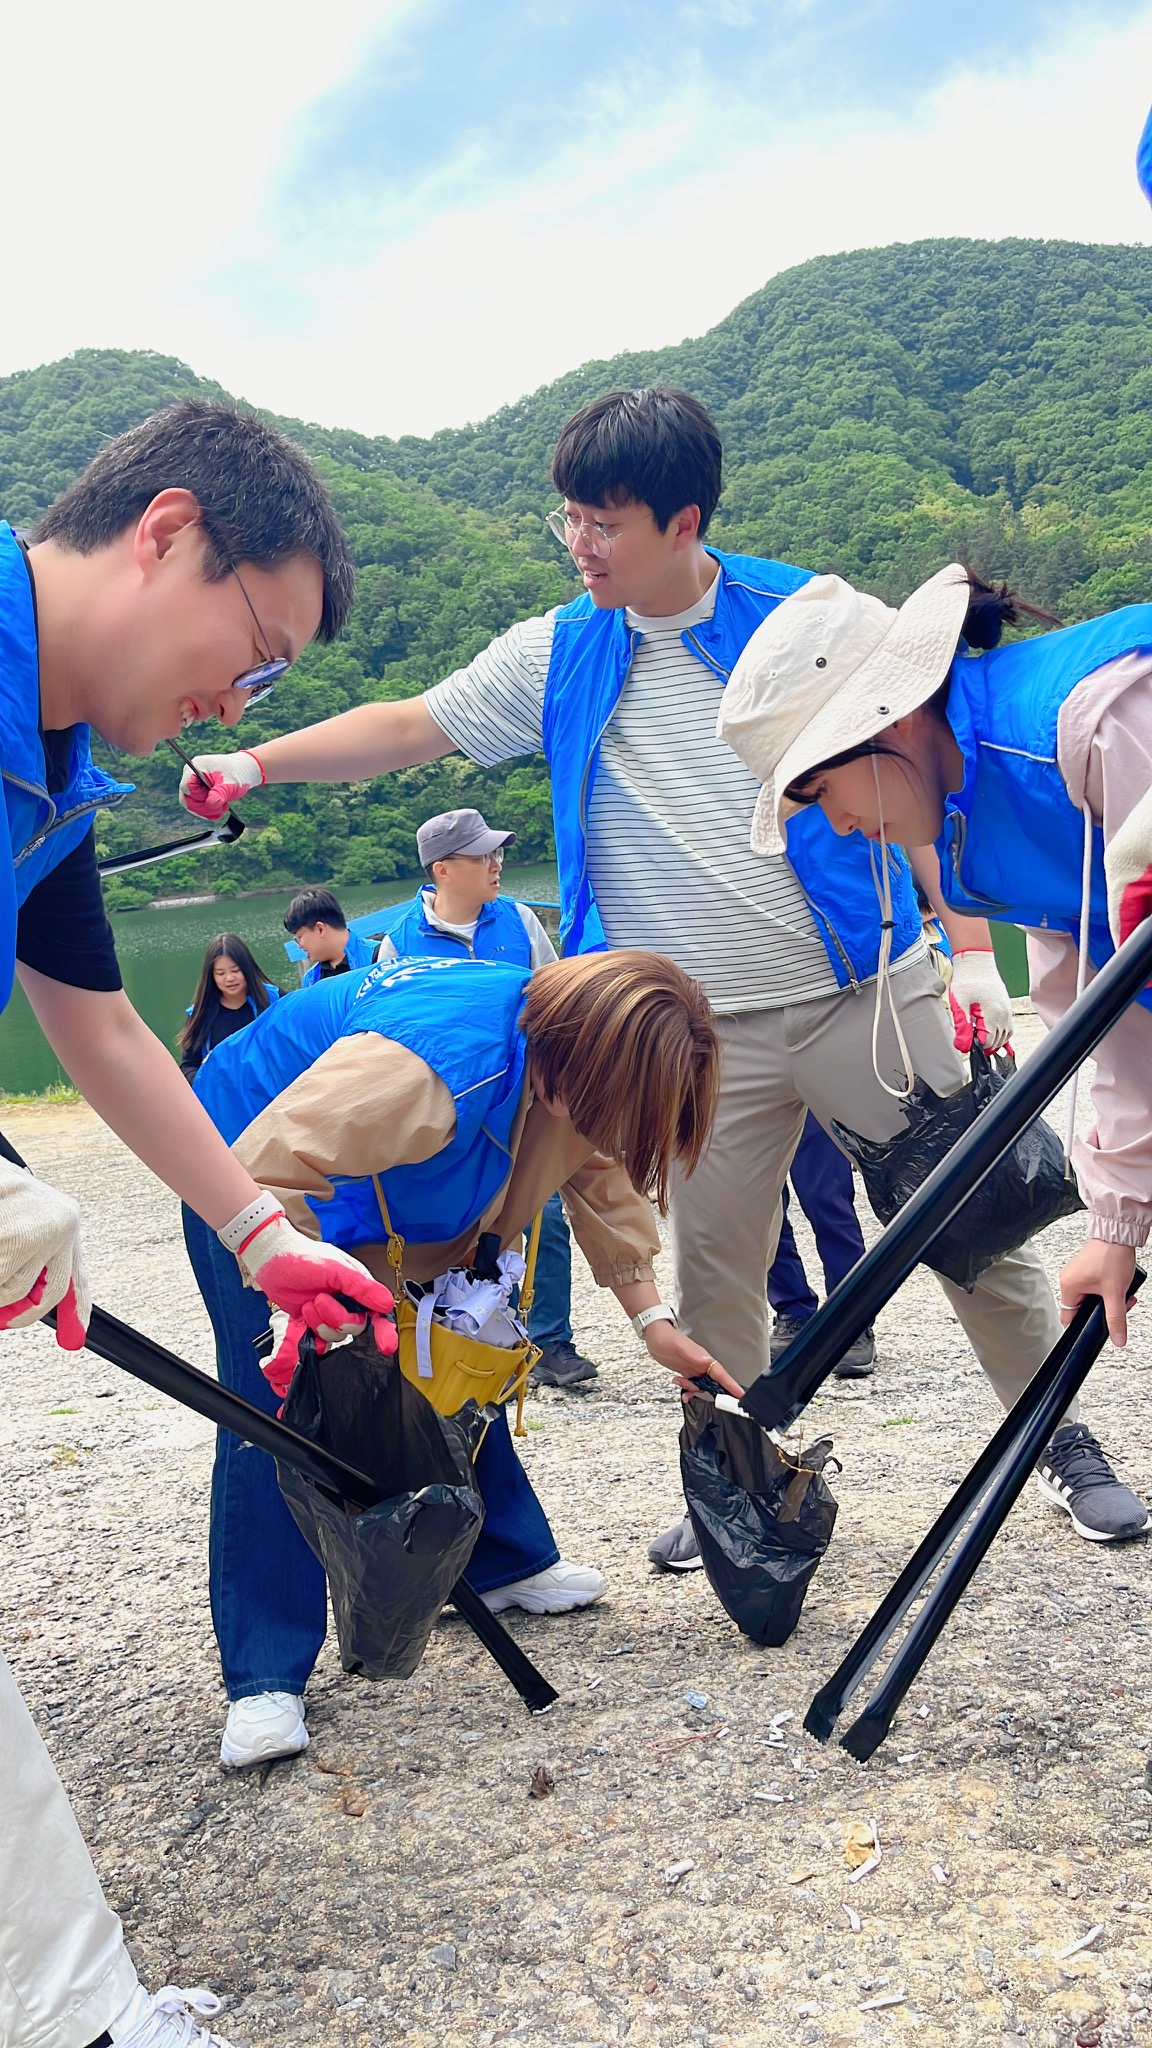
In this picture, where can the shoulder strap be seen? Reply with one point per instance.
(395, 1243)
(396, 1249)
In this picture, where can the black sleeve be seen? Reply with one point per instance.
(63, 929)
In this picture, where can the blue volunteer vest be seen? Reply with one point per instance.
(459, 1016)
(592, 652)
(359, 952)
(499, 935)
(41, 829)
(1012, 843)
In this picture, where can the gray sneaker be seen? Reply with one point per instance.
(783, 1330)
(859, 1360)
(677, 1550)
(562, 1367)
(1075, 1475)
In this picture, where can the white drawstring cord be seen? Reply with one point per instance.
(1081, 961)
(883, 977)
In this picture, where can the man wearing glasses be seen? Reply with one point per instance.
(176, 580)
(459, 907)
(621, 689)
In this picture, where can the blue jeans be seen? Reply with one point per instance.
(267, 1588)
(822, 1179)
(550, 1324)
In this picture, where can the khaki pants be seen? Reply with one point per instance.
(65, 1973)
(726, 1219)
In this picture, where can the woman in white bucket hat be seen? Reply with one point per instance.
(1028, 767)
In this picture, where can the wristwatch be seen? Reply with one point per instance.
(658, 1313)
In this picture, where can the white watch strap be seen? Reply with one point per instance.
(658, 1313)
(241, 1227)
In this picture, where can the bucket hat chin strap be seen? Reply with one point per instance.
(883, 882)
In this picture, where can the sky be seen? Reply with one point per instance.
(397, 215)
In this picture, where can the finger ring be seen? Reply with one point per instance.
(1068, 1304)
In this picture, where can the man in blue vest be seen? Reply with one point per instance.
(176, 580)
(459, 910)
(621, 690)
(317, 923)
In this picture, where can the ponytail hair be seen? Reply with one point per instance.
(993, 607)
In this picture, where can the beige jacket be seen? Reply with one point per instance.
(368, 1104)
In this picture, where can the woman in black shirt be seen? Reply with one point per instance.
(232, 990)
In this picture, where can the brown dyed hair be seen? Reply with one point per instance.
(627, 1042)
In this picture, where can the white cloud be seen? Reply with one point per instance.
(654, 230)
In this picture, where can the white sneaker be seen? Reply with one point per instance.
(167, 2020)
(266, 1725)
(555, 1591)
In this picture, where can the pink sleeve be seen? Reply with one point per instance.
(1113, 1159)
(1118, 770)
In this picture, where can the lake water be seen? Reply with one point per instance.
(161, 953)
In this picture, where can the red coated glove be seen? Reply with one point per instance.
(1135, 904)
(41, 1259)
(304, 1277)
(280, 1368)
(217, 781)
(1128, 871)
(981, 1005)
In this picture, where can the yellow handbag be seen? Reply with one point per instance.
(463, 1369)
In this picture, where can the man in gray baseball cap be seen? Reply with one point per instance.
(452, 834)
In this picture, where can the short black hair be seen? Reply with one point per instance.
(261, 499)
(659, 447)
(313, 906)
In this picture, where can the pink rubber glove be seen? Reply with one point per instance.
(1135, 904)
(1128, 871)
(228, 776)
(41, 1258)
(304, 1277)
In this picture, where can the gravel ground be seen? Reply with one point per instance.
(398, 1883)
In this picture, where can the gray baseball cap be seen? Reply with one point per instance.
(454, 832)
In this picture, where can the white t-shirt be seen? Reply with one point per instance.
(669, 817)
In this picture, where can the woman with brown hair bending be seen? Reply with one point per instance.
(471, 1091)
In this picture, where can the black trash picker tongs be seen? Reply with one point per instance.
(224, 832)
(982, 1502)
(151, 1362)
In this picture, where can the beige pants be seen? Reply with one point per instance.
(726, 1219)
(65, 1973)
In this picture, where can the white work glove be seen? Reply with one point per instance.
(303, 1277)
(228, 776)
(1128, 871)
(981, 1005)
(41, 1263)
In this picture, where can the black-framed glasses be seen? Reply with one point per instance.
(260, 681)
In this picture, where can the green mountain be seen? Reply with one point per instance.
(883, 412)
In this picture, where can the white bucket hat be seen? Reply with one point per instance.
(829, 669)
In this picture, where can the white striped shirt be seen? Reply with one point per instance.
(669, 816)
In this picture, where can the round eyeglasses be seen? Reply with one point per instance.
(568, 531)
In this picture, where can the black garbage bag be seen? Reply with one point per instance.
(390, 1567)
(1029, 1188)
(762, 1522)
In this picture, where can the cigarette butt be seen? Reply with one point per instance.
(1085, 1941)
